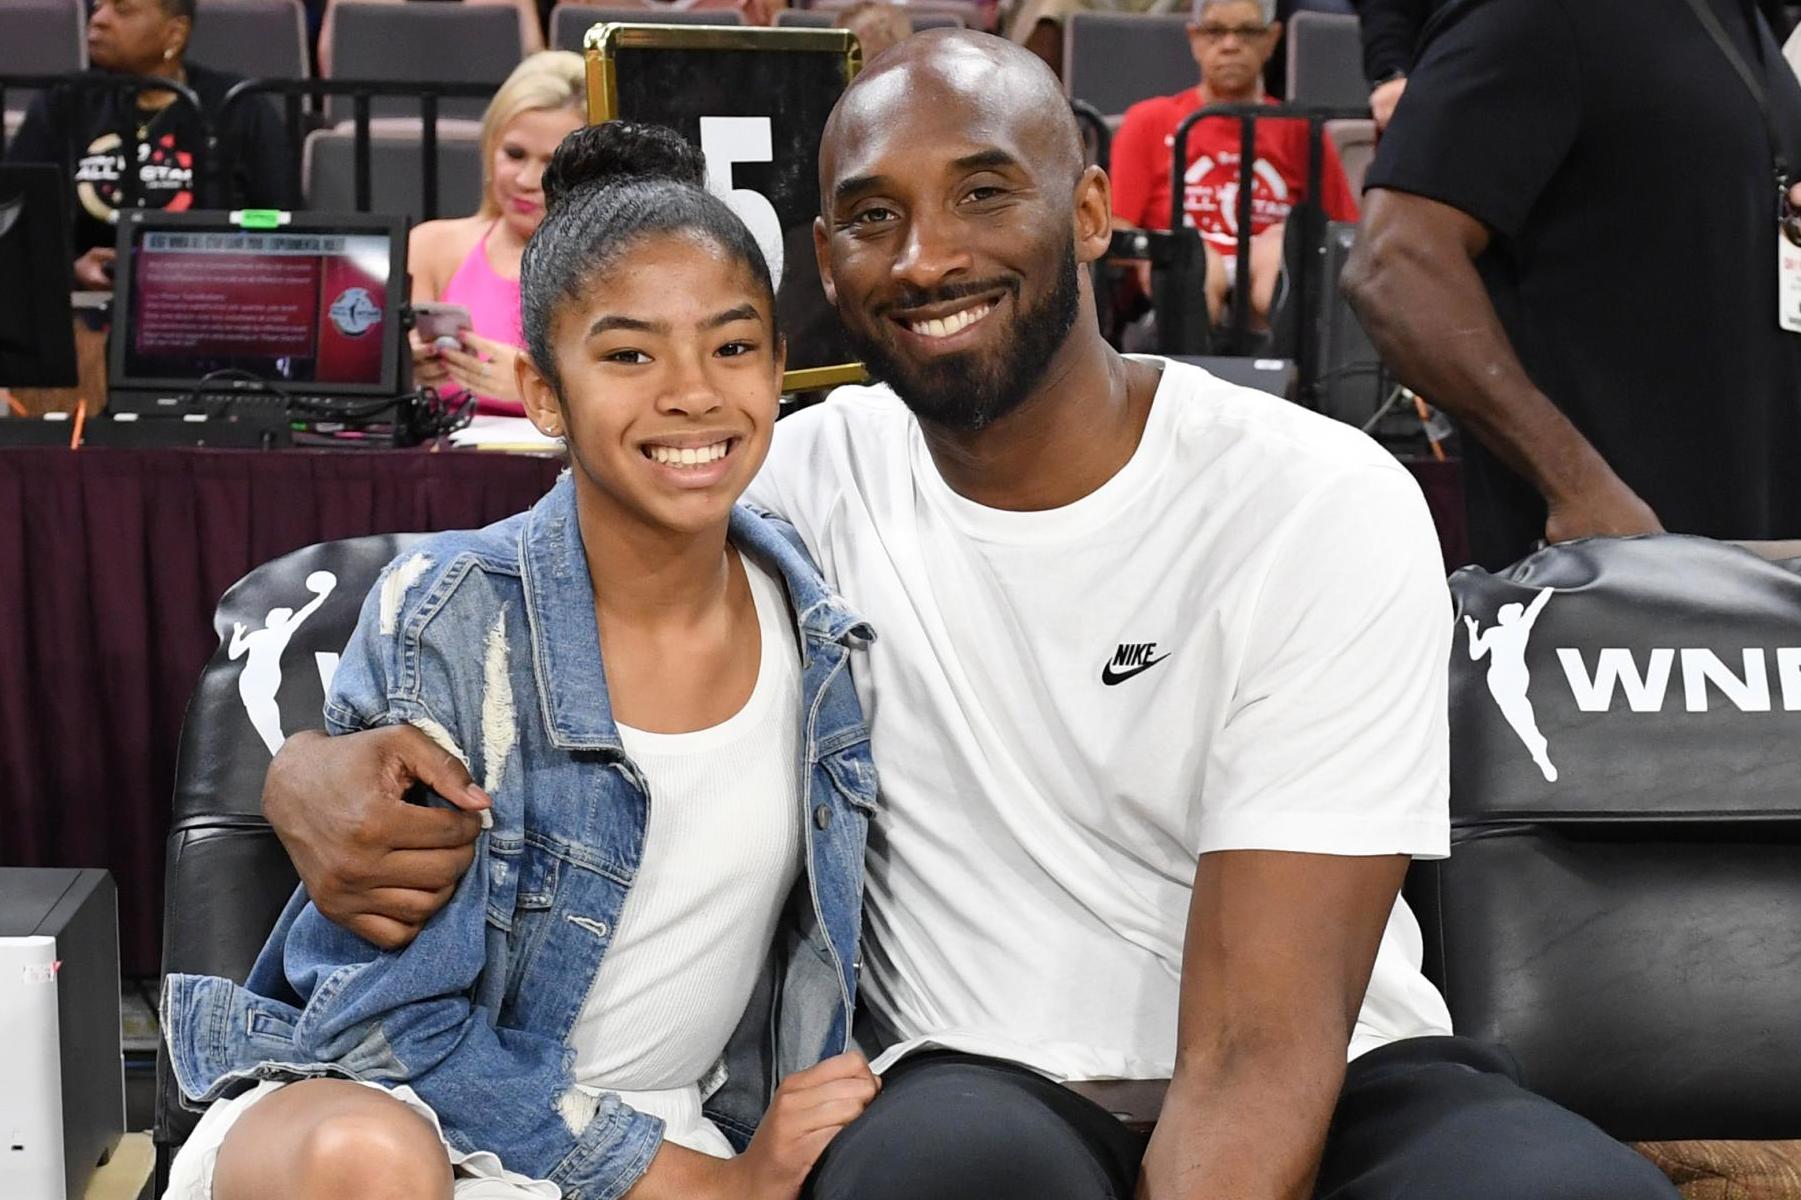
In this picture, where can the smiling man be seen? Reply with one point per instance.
(1157, 701)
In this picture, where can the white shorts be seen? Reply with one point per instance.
(478, 1176)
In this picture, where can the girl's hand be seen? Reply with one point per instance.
(428, 365)
(809, 1109)
(485, 367)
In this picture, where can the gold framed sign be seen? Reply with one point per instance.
(755, 101)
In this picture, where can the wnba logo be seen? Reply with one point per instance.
(1641, 679)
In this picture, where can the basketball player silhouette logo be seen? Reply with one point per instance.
(1508, 679)
(260, 681)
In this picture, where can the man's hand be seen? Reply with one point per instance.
(372, 862)
(1609, 509)
(92, 272)
(1384, 98)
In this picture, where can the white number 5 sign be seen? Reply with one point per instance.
(727, 141)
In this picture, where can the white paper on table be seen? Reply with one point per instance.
(510, 433)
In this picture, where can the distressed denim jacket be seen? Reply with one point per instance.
(487, 640)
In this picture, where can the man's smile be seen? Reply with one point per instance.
(946, 325)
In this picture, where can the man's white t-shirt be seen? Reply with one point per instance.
(1239, 641)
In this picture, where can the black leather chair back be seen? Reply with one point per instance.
(280, 630)
(1622, 904)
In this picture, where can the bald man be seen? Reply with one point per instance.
(1157, 702)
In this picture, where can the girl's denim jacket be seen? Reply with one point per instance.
(487, 640)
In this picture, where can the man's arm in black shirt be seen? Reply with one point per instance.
(1412, 280)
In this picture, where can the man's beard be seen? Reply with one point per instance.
(972, 390)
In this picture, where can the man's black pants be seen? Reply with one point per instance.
(1437, 1118)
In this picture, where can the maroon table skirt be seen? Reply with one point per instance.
(111, 562)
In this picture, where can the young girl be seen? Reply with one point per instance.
(652, 687)
(474, 260)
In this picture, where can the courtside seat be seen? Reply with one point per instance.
(227, 875)
(1622, 905)
(1097, 46)
(257, 39)
(396, 172)
(422, 43)
(569, 23)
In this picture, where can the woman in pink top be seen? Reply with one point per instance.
(474, 261)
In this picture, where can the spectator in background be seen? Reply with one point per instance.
(1231, 40)
(878, 26)
(96, 126)
(474, 261)
(531, 29)
(1514, 267)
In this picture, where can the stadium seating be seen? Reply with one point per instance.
(39, 37)
(1096, 44)
(396, 166)
(569, 23)
(258, 39)
(422, 43)
(1325, 61)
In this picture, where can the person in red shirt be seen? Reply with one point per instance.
(1231, 41)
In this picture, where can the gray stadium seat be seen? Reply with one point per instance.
(569, 23)
(1355, 142)
(1097, 46)
(328, 174)
(1325, 60)
(258, 39)
(39, 37)
(421, 43)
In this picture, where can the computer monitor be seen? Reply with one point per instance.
(310, 303)
(37, 273)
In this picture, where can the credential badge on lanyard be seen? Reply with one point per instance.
(1788, 221)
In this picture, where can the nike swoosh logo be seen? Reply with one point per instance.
(1112, 678)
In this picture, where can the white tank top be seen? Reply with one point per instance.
(721, 853)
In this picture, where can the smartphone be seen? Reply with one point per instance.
(434, 321)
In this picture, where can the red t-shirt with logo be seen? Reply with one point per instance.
(1140, 171)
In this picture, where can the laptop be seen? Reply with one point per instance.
(216, 311)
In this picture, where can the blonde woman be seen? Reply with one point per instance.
(474, 261)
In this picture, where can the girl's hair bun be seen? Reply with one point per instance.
(617, 152)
